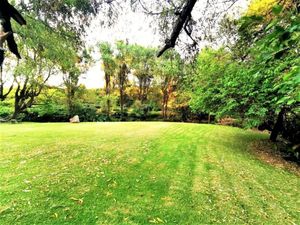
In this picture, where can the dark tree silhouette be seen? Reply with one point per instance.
(182, 21)
(7, 11)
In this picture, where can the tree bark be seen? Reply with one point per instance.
(16, 113)
(3, 95)
(107, 93)
(165, 103)
(121, 100)
(278, 125)
(181, 20)
(122, 85)
(26, 93)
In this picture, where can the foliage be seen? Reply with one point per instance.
(109, 67)
(143, 61)
(105, 108)
(49, 112)
(141, 109)
(45, 52)
(261, 88)
(6, 109)
(266, 8)
(169, 70)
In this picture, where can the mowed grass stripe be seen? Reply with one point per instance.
(139, 173)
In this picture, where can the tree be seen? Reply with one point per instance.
(169, 70)
(45, 53)
(172, 16)
(72, 67)
(143, 69)
(282, 37)
(263, 88)
(30, 79)
(184, 16)
(123, 60)
(4, 78)
(7, 11)
(109, 67)
(207, 83)
(71, 79)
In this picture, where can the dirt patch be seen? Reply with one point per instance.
(266, 151)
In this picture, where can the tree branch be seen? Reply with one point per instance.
(182, 18)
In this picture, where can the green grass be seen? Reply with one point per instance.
(140, 173)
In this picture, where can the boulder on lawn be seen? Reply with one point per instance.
(75, 119)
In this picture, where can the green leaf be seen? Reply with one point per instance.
(290, 102)
(277, 9)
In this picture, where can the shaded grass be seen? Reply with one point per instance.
(140, 173)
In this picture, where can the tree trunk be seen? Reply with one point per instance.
(108, 107)
(278, 125)
(165, 104)
(166, 107)
(3, 95)
(17, 102)
(70, 100)
(122, 77)
(140, 93)
(17, 107)
(107, 84)
(122, 102)
(107, 93)
(15, 114)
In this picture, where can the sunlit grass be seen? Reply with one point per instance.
(139, 173)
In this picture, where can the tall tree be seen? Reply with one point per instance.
(263, 88)
(143, 69)
(169, 70)
(123, 61)
(44, 52)
(71, 79)
(109, 67)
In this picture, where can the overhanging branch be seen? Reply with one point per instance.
(181, 20)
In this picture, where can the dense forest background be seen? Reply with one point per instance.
(250, 80)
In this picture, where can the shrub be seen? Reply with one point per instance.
(6, 109)
(47, 113)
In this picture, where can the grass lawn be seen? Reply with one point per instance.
(140, 173)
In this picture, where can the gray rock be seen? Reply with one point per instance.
(75, 119)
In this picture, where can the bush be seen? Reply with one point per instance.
(141, 110)
(86, 113)
(291, 132)
(47, 113)
(5, 109)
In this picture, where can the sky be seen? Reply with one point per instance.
(132, 26)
